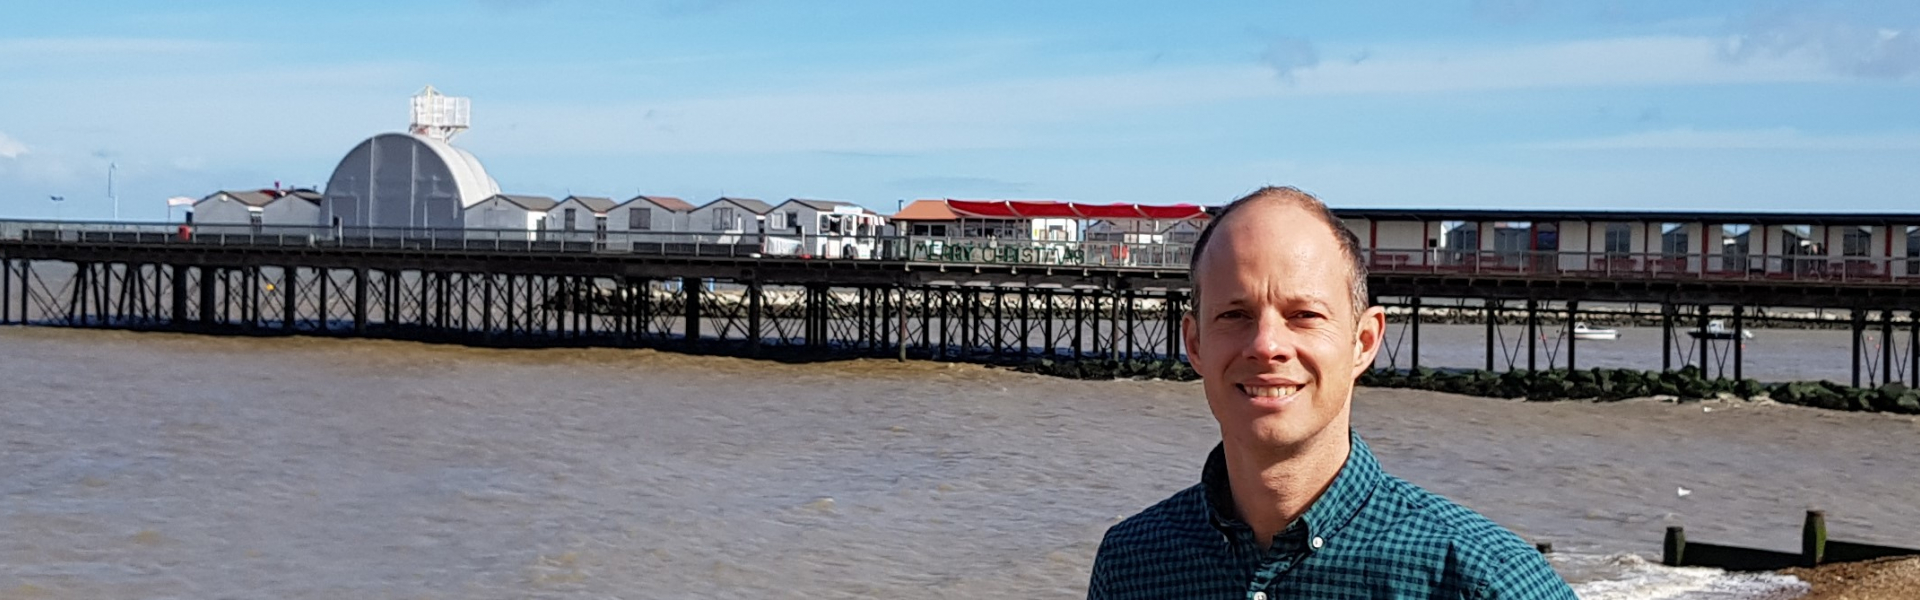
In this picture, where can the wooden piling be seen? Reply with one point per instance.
(1675, 548)
(1813, 539)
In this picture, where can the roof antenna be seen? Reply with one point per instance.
(439, 116)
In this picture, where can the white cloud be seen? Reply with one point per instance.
(11, 148)
(1781, 138)
(1613, 62)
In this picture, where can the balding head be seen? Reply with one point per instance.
(1288, 196)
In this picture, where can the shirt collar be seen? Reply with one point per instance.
(1328, 515)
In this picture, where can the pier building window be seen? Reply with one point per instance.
(1673, 240)
(778, 221)
(722, 218)
(1856, 241)
(793, 219)
(1735, 240)
(566, 218)
(640, 219)
(1913, 250)
(1619, 239)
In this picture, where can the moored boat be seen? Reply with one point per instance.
(1718, 330)
(1583, 332)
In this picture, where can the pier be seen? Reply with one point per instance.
(971, 298)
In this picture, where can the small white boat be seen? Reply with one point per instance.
(1582, 332)
(1718, 330)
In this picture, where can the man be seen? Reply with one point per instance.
(1291, 504)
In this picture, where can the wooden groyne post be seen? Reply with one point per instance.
(1815, 549)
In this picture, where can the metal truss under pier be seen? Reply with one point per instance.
(1004, 321)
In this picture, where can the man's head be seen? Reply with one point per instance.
(1280, 325)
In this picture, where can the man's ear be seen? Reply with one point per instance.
(1370, 331)
(1190, 333)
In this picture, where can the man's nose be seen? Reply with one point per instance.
(1272, 340)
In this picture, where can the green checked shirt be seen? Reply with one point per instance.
(1371, 535)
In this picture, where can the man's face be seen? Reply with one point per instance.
(1275, 338)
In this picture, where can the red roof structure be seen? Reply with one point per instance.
(1043, 209)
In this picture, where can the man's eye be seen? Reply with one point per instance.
(1307, 314)
(1233, 314)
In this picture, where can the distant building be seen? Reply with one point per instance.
(728, 215)
(257, 208)
(414, 180)
(823, 228)
(650, 214)
(576, 218)
(509, 216)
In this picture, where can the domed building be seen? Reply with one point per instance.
(413, 180)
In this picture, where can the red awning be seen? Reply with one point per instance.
(997, 209)
(1175, 211)
(1043, 209)
(1025, 209)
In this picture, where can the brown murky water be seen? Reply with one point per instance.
(151, 465)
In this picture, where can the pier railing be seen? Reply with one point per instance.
(1644, 265)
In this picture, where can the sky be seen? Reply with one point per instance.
(1698, 105)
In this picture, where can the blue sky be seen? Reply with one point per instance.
(1705, 104)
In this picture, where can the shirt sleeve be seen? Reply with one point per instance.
(1524, 575)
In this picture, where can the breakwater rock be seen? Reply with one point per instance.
(1686, 384)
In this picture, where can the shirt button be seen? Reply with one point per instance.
(1259, 596)
(1317, 543)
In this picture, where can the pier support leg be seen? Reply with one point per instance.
(1533, 335)
(1886, 346)
(208, 278)
(926, 320)
(1079, 321)
(755, 304)
(1491, 324)
(486, 307)
(1413, 323)
(179, 296)
(360, 301)
(1739, 341)
(76, 302)
(691, 286)
(1859, 326)
(289, 298)
(1706, 345)
(946, 321)
(324, 277)
(6, 290)
(1046, 321)
(1573, 343)
(1666, 336)
(1176, 306)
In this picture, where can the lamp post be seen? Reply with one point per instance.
(110, 195)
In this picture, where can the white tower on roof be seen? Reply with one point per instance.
(439, 116)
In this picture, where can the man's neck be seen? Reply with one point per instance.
(1273, 486)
